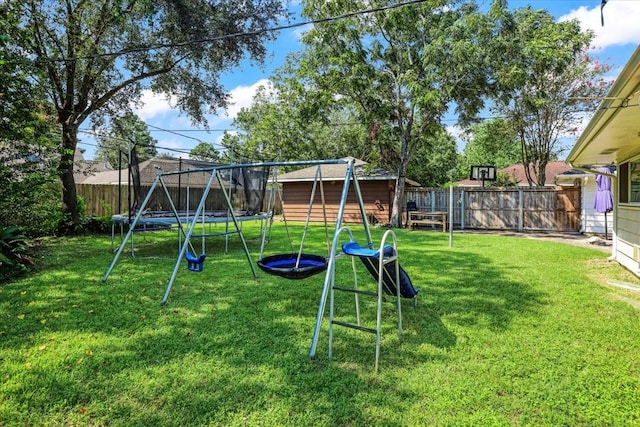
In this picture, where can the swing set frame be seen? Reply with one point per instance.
(215, 173)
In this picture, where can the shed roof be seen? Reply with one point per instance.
(337, 172)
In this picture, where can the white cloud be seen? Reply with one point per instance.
(620, 23)
(456, 132)
(242, 96)
(299, 32)
(153, 105)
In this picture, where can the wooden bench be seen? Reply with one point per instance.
(418, 218)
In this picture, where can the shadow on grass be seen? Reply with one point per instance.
(224, 350)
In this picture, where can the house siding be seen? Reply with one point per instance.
(296, 197)
(627, 245)
(593, 222)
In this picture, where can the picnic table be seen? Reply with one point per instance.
(419, 218)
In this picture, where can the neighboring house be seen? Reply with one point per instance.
(592, 222)
(100, 189)
(612, 138)
(517, 174)
(152, 167)
(377, 187)
(82, 169)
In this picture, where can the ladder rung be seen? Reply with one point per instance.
(355, 291)
(352, 326)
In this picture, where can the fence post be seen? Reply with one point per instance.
(520, 209)
(462, 209)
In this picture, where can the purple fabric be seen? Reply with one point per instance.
(603, 202)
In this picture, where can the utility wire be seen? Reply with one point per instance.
(237, 35)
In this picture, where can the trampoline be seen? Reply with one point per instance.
(166, 218)
(293, 266)
(163, 220)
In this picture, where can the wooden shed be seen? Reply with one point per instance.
(376, 185)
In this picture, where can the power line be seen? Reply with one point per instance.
(177, 150)
(237, 35)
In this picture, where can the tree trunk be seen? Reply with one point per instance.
(65, 169)
(398, 197)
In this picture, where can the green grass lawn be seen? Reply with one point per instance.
(507, 331)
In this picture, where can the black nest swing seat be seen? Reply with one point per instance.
(293, 266)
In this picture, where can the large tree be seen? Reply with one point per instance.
(283, 123)
(492, 142)
(97, 56)
(28, 143)
(401, 67)
(546, 83)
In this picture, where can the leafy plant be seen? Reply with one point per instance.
(96, 224)
(15, 252)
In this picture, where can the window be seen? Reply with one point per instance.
(629, 182)
(634, 181)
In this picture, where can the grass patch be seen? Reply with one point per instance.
(507, 331)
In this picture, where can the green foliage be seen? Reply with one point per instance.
(15, 253)
(433, 162)
(125, 132)
(492, 142)
(96, 224)
(279, 125)
(504, 180)
(206, 152)
(28, 141)
(545, 81)
(96, 58)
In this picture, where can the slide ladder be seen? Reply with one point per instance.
(384, 262)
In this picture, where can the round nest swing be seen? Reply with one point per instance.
(284, 265)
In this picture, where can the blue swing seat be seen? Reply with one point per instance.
(195, 263)
(293, 266)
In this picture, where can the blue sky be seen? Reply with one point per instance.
(613, 44)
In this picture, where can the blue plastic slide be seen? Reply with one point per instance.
(369, 258)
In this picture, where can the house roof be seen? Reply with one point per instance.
(612, 134)
(570, 175)
(337, 172)
(83, 169)
(152, 167)
(518, 173)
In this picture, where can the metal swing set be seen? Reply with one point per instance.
(381, 262)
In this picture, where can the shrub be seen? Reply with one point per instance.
(15, 252)
(96, 224)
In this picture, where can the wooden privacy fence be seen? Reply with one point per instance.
(102, 199)
(519, 209)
